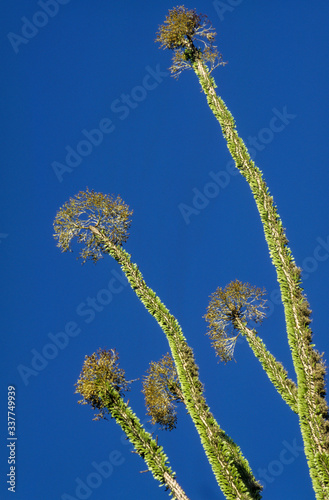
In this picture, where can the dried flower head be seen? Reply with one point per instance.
(111, 217)
(99, 371)
(161, 388)
(190, 36)
(237, 302)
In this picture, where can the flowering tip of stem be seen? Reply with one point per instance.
(87, 210)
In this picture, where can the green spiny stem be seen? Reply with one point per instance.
(310, 371)
(230, 468)
(273, 368)
(143, 442)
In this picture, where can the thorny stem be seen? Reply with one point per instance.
(143, 442)
(312, 407)
(231, 469)
(274, 370)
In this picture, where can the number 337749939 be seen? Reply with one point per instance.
(11, 410)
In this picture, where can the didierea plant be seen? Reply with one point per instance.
(102, 222)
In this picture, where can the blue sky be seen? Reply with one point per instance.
(94, 65)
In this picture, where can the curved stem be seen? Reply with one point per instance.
(310, 371)
(144, 444)
(273, 368)
(230, 468)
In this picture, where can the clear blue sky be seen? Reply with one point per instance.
(94, 64)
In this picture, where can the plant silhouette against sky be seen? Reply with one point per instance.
(101, 222)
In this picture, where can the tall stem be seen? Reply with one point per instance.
(312, 407)
(230, 468)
